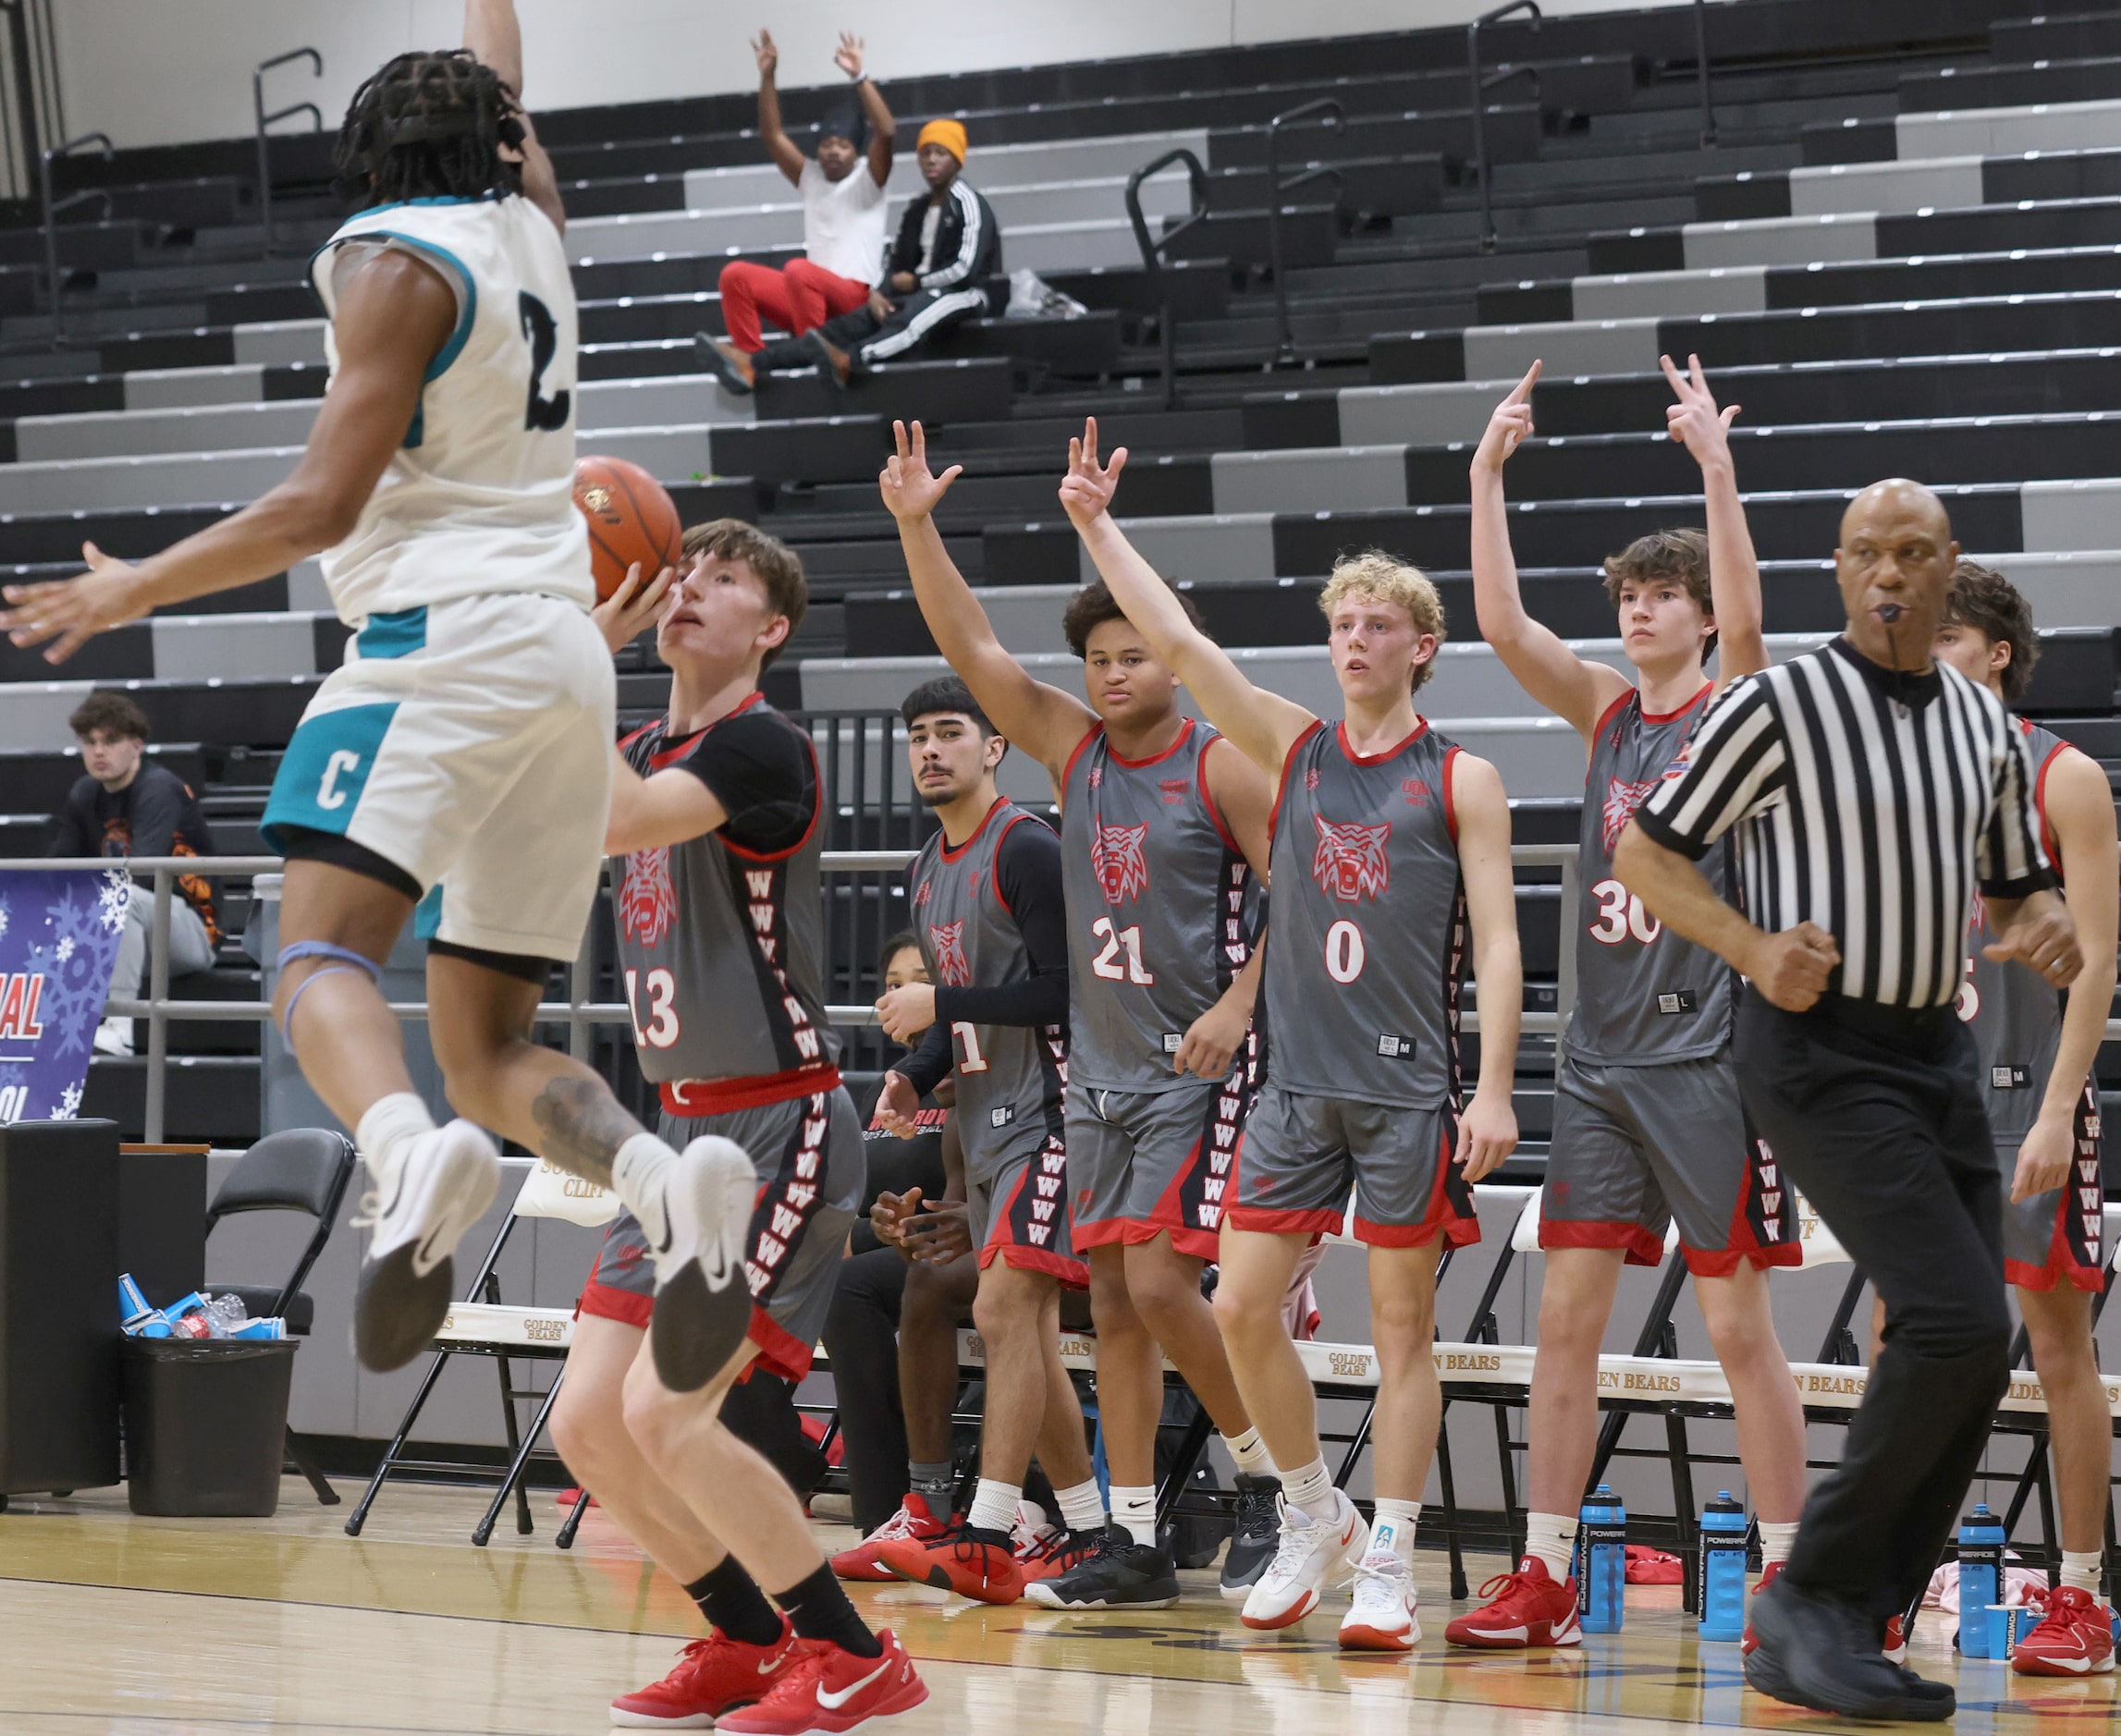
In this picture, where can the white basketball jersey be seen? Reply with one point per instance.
(478, 498)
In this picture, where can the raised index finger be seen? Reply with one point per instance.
(1523, 389)
(1090, 441)
(898, 435)
(1674, 377)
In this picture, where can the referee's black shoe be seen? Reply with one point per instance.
(1815, 1651)
(1118, 1572)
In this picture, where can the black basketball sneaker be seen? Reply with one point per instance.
(1117, 1572)
(1258, 1531)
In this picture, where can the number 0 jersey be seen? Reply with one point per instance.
(480, 496)
(1160, 907)
(1366, 938)
(721, 938)
(1643, 996)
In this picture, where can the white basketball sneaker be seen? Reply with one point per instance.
(419, 1209)
(1312, 1556)
(698, 1226)
(1384, 1616)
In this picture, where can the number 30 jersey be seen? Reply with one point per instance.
(480, 495)
(1643, 996)
(1366, 936)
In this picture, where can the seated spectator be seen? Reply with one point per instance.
(126, 805)
(942, 269)
(843, 219)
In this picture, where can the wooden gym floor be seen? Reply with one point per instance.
(119, 1626)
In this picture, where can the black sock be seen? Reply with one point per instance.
(730, 1600)
(819, 1609)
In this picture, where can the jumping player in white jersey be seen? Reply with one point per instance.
(1647, 1126)
(1386, 837)
(1163, 835)
(460, 760)
(2037, 1049)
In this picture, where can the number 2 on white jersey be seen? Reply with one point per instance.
(661, 1029)
(1106, 963)
(1621, 915)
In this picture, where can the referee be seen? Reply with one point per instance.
(1872, 790)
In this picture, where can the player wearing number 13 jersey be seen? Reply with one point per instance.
(1647, 1125)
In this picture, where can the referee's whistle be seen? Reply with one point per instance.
(1890, 612)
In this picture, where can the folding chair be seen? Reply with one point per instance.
(481, 1326)
(303, 1169)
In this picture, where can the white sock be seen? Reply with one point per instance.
(635, 1167)
(389, 1128)
(994, 1506)
(1552, 1537)
(1310, 1491)
(1137, 1510)
(1082, 1504)
(1777, 1541)
(1249, 1453)
(2079, 1568)
(1392, 1528)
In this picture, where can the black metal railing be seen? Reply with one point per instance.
(53, 284)
(1326, 110)
(1154, 248)
(1478, 87)
(265, 120)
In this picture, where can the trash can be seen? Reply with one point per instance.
(206, 1425)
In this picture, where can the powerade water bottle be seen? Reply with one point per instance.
(1719, 1576)
(1981, 1577)
(1601, 1551)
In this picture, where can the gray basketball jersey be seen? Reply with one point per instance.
(721, 953)
(1367, 941)
(1643, 996)
(2016, 1018)
(1010, 1077)
(1160, 903)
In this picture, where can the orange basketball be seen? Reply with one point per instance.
(631, 521)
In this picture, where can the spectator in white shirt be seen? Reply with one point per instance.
(842, 221)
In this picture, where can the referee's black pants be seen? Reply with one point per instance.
(1875, 1113)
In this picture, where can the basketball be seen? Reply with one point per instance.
(631, 520)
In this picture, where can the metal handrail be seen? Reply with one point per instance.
(265, 120)
(1478, 93)
(1153, 251)
(1702, 70)
(1328, 110)
(54, 206)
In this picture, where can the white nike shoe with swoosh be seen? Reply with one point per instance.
(1312, 1556)
(698, 1228)
(444, 1182)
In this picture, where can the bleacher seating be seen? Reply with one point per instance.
(1902, 253)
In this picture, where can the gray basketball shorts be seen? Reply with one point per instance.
(1300, 1156)
(1635, 1148)
(2057, 1235)
(811, 1167)
(1144, 1162)
(1016, 1205)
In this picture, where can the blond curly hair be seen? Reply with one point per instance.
(1385, 579)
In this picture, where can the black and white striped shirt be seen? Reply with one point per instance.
(1870, 803)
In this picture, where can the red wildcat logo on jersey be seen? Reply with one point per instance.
(1350, 862)
(647, 898)
(1117, 858)
(950, 962)
(1622, 799)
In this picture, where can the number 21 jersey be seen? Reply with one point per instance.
(479, 496)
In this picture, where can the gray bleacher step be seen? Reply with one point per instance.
(2009, 129)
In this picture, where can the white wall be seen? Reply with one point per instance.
(164, 71)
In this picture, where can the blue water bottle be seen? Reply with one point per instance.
(1719, 1575)
(1601, 1553)
(1981, 1578)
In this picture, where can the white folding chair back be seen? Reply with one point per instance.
(1525, 1235)
(550, 1193)
(1820, 1247)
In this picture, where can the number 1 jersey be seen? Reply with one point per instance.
(479, 496)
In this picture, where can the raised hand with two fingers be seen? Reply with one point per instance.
(1086, 491)
(1695, 421)
(910, 491)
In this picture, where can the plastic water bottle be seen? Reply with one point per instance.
(225, 1315)
(1981, 1577)
(1720, 1578)
(1601, 1546)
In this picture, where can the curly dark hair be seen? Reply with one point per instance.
(115, 714)
(1984, 599)
(429, 126)
(1093, 607)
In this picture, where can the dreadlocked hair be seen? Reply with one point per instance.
(429, 126)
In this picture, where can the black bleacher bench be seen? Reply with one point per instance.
(212, 1097)
(2004, 86)
(1310, 234)
(2004, 180)
(944, 389)
(2056, 36)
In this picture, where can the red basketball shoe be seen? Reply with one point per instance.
(2075, 1638)
(970, 1563)
(1527, 1608)
(712, 1676)
(833, 1689)
(912, 1519)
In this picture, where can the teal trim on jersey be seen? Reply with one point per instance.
(395, 633)
(427, 914)
(325, 770)
(467, 312)
(491, 196)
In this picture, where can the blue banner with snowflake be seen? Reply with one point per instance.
(59, 930)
